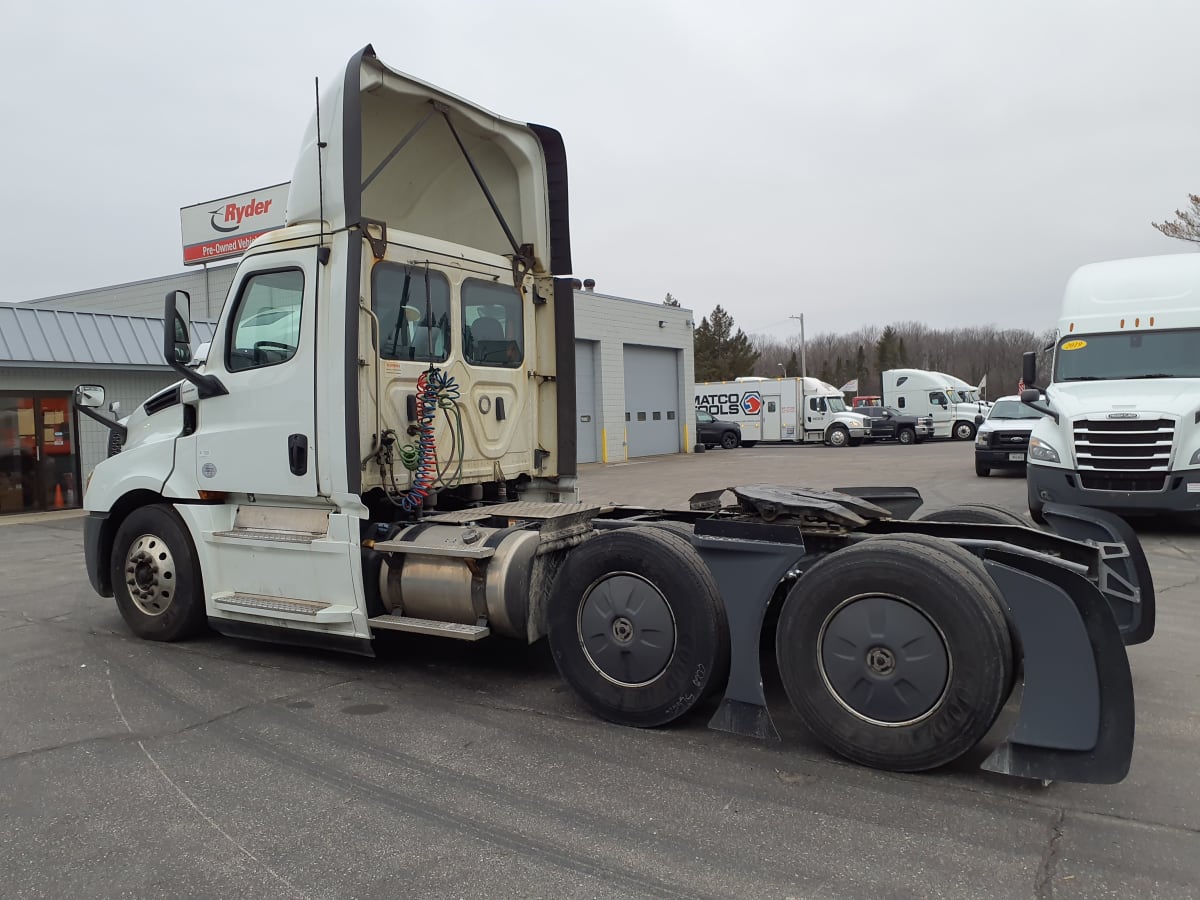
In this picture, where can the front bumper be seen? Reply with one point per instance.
(95, 552)
(1181, 493)
(1000, 459)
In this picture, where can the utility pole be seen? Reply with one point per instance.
(803, 365)
(782, 366)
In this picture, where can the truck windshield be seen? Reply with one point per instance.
(1013, 409)
(1128, 354)
(836, 404)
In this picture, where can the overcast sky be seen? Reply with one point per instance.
(858, 162)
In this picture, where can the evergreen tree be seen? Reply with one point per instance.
(722, 354)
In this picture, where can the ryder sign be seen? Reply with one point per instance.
(223, 228)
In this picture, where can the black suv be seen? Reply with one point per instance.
(711, 431)
(889, 424)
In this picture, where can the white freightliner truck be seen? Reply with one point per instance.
(919, 392)
(797, 410)
(1121, 425)
(381, 435)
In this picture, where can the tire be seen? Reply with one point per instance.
(975, 514)
(926, 598)
(837, 436)
(981, 470)
(963, 431)
(856, 442)
(906, 436)
(155, 577)
(729, 440)
(748, 444)
(623, 584)
(709, 446)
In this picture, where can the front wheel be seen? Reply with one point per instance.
(895, 654)
(729, 440)
(155, 577)
(981, 470)
(837, 436)
(906, 436)
(748, 444)
(637, 626)
(963, 431)
(856, 442)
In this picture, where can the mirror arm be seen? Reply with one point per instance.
(110, 424)
(206, 385)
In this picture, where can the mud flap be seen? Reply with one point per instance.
(1076, 719)
(1124, 575)
(748, 561)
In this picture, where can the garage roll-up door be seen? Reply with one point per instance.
(587, 427)
(652, 421)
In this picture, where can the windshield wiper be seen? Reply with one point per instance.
(1086, 378)
(1154, 375)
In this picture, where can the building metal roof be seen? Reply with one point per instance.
(32, 336)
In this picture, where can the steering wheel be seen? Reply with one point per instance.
(273, 345)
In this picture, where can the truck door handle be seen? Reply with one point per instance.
(298, 453)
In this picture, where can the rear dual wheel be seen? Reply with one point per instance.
(896, 653)
(637, 627)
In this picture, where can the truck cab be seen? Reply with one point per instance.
(1122, 399)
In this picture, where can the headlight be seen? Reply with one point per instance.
(1040, 450)
(1195, 459)
(981, 439)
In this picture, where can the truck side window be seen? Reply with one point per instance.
(938, 398)
(493, 325)
(900, 403)
(413, 313)
(266, 326)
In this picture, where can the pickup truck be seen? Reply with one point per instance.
(888, 424)
(711, 431)
(1002, 440)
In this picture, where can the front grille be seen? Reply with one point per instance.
(1008, 440)
(1125, 451)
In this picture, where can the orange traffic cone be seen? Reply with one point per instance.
(58, 497)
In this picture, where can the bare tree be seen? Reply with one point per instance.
(1186, 226)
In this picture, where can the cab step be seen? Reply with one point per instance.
(283, 607)
(278, 535)
(430, 626)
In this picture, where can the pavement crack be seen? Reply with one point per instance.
(1043, 886)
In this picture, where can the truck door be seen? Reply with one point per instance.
(816, 413)
(939, 408)
(771, 418)
(260, 437)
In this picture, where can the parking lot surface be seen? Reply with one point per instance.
(222, 768)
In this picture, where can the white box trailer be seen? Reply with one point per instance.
(797, 410)
(920, 392)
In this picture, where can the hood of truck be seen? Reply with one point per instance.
(388, 148)
(1155, 396)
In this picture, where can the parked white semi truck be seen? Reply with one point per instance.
(381, 437)
(1122, 405)
(919, 392)
(796, 410)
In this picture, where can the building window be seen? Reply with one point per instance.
(641, 417)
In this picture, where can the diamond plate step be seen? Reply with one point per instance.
(431, 626)
(283, 607)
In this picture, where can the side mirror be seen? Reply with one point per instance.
(177, 328)
(1031, 395)
(89, 396)
(1029, 368)
(979, 420)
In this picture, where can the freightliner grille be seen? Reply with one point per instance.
(1123, 454)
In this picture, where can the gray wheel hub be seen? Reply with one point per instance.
(626, 629)
(150, 574)
(883, 660)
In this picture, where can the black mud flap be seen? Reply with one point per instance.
(748, 561)
(1077, 716)
(1124, 575)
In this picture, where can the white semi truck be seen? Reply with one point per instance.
(1122, 403)
(919, 392)
(796, 410)
(381, 438)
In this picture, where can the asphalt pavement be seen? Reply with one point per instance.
(220, 768)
